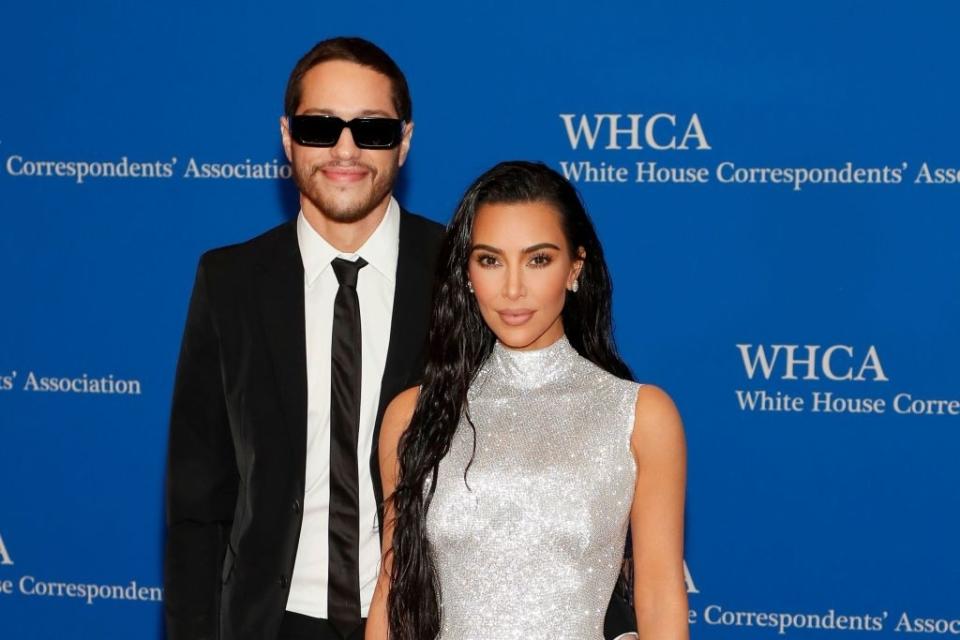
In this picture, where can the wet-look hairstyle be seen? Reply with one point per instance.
(459, 343)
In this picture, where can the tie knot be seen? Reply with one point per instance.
(347, 271)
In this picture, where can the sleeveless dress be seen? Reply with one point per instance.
(530, 545)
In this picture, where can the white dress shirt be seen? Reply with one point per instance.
(375, 289)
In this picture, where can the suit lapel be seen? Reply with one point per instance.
(280, 296)
(411, 295)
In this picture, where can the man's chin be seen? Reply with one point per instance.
(343, 212)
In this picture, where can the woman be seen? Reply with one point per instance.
(515, 469)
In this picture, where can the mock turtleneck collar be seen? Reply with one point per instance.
(533, 368)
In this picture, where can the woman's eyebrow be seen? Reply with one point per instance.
(530, 249)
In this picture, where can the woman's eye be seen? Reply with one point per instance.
(540, 260)
(486, 260)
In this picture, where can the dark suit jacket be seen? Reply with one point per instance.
(237, 451)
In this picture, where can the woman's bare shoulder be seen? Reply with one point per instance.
(657, 427)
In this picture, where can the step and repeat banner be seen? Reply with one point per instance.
(776, 186)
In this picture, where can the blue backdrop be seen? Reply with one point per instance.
(775, 183)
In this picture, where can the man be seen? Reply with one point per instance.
(294, 343)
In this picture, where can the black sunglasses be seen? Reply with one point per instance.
(368, 133)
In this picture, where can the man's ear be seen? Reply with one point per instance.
(405, 143)
(285, 137)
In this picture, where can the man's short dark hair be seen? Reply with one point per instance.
(359, 51)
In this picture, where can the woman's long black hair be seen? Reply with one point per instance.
(459, 342)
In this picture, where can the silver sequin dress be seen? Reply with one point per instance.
(531, 546)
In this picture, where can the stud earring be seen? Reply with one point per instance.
(575, 286)
(470, 287)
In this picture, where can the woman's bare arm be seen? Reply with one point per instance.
(395, 421)
(656, 518)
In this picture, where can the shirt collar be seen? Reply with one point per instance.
(380, 250)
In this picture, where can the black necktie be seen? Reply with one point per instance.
(343, 592)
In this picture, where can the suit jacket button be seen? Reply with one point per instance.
(296, 505)
(284, 583)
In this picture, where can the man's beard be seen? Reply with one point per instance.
(330, 206)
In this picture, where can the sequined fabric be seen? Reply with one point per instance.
(530, 545)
